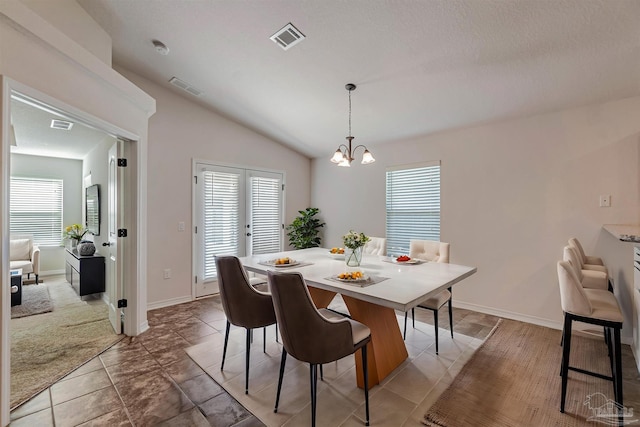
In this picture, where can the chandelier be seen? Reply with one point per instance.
(344, 154)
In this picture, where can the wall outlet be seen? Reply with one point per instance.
(167, 273)
(181, 226)
(605, 201)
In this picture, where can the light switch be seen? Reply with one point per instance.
(181, 226)
(605, 201)
(167, 273)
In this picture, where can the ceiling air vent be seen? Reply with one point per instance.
(185, 86)
(61, 124)
(288, 36)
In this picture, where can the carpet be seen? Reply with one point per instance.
(35, 300)
(513, 380)
(46, 347)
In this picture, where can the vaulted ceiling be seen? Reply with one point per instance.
(420, 66)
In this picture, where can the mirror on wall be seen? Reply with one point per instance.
(92, 209)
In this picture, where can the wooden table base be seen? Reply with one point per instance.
(386, 351)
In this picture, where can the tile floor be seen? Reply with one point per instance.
(150, 379)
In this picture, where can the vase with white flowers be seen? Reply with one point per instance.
(354, 242)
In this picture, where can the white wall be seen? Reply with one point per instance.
(70, 171)
(512, 194)
(179, 132)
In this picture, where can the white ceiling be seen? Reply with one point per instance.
(34, 135)
(420, 66)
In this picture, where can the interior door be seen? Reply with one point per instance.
(113, 256)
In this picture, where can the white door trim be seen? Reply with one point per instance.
(135, 265)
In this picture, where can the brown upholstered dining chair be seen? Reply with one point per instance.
(312, 337)
(243, 305)
(431, 251)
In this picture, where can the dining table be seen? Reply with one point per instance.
(387, 285)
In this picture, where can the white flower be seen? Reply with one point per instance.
(353, 240)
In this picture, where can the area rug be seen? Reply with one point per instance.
(513, 380)
(35, 300)
(393, 402)
(46, 347)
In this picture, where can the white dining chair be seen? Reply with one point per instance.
(375, 246)
(431, 251)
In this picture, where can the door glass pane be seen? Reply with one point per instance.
(265, 218)
(221, 217)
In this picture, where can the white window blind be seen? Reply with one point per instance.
(221, 217)
(36, 209)
(413, 205)
(265, 215)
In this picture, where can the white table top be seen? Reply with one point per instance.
(406, 286)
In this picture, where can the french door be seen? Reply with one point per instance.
(237, 212)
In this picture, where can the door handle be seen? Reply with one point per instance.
(106, 244)
(248, 234)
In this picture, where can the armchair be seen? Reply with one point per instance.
(25, 255)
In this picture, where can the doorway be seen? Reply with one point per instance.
(128, 248)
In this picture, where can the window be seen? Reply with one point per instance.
(413, 204)
(36, 209)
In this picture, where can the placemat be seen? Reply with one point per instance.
(372, 280)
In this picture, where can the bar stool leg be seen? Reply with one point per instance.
(566, 347)
(618, 374)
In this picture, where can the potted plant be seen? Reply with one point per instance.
(303, 231)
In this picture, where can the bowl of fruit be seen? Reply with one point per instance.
(337, 253)
(405, 259)
(283, 262)
(352, 276)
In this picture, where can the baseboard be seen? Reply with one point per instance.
(52, 273)
(168, 302)
(532, 319)
(144, 326)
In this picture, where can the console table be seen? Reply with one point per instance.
(85, 273)
(16, 280)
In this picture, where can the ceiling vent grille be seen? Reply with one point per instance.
(185, 86)
(61, 124)
(288, 37)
